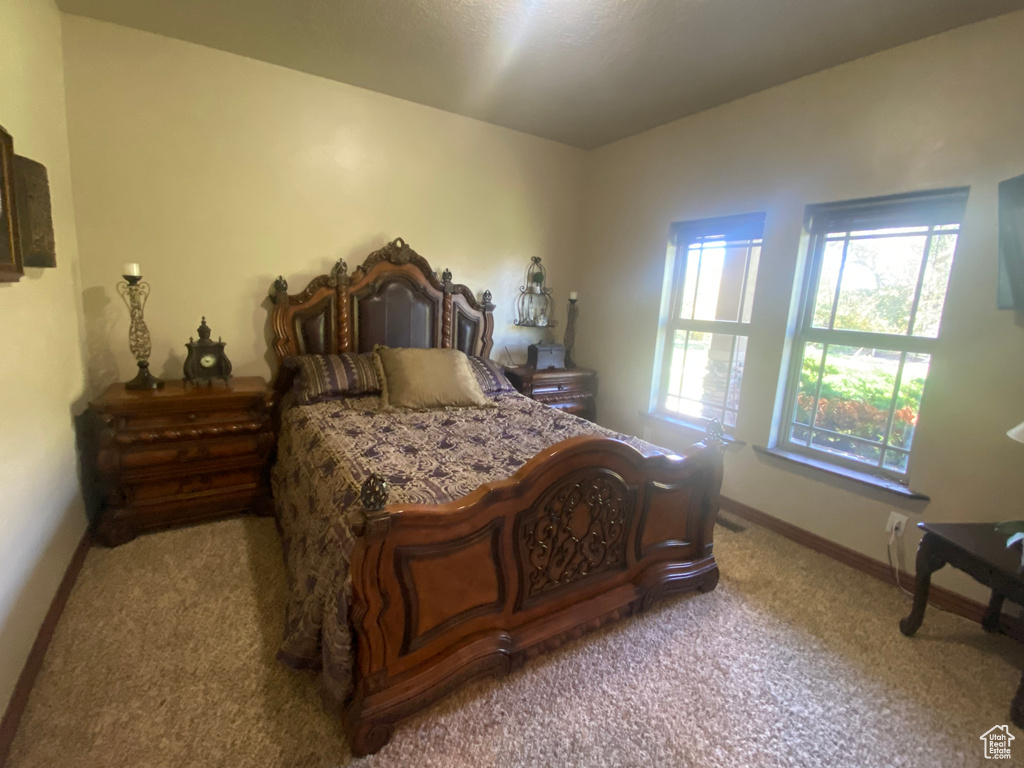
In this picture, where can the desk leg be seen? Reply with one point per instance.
(990, 621)
(928, 561)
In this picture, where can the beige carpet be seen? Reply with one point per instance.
(165, 657)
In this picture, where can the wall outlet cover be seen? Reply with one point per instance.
(896, 522)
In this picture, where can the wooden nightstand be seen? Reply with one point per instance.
(569, 389)
(181, 454)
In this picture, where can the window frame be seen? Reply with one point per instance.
(932, 209)
(682, 235)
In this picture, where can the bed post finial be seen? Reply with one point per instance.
(714, 435)
(371, 518)
(488, 307)
(374, 493)
(339, 273)
(279, 290)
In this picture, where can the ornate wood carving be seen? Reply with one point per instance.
(578, 529)
(34, 212)
(343, 305)
(446, 313)
(367, 736)
(397, 253)
(328, 305)
(11, 268)
(191, 433)
(279, 290)
(566, 521)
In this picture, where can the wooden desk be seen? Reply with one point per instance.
(977, 549)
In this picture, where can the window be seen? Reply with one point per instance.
(709, 291)
(869, 318)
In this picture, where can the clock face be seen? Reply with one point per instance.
(208, 361)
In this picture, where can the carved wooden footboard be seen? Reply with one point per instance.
(584, 533)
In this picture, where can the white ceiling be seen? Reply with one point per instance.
(583, 72)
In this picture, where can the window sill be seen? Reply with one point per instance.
(688, 425)
(850, 474)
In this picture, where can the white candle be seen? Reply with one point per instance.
(573, 295)
(132, 270)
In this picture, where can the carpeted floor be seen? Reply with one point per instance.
(165, 657)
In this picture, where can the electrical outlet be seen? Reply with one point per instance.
(896, 522)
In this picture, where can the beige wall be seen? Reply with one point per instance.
(41, 515)
(216, 173)
(945, 111)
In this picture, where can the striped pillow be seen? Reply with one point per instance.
(324, 376)
(489, 376)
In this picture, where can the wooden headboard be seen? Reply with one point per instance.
(394, 299)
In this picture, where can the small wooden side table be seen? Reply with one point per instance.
(180, 454)
(978, 550)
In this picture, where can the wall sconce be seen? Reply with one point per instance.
(534, 307)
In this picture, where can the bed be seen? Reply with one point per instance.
(429, 548)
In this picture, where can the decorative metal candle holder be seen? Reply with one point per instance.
(134, 292)
(534, 306)
(570, 333)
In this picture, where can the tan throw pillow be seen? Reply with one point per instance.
(427, 378)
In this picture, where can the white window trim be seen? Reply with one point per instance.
(682, 235)
(945, 206)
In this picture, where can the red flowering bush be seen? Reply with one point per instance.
(854, 400)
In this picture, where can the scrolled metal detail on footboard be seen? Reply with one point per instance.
(372, 520)
(575, 530)
(714, 435)
(374, 492)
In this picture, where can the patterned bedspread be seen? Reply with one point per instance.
(326, 450)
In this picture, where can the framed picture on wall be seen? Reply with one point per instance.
(10, 243)
(35, 220)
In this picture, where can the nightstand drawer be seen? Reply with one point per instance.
(171, 453)
(162, 489)
(153, 426)
(557, 388)
(123, 524)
